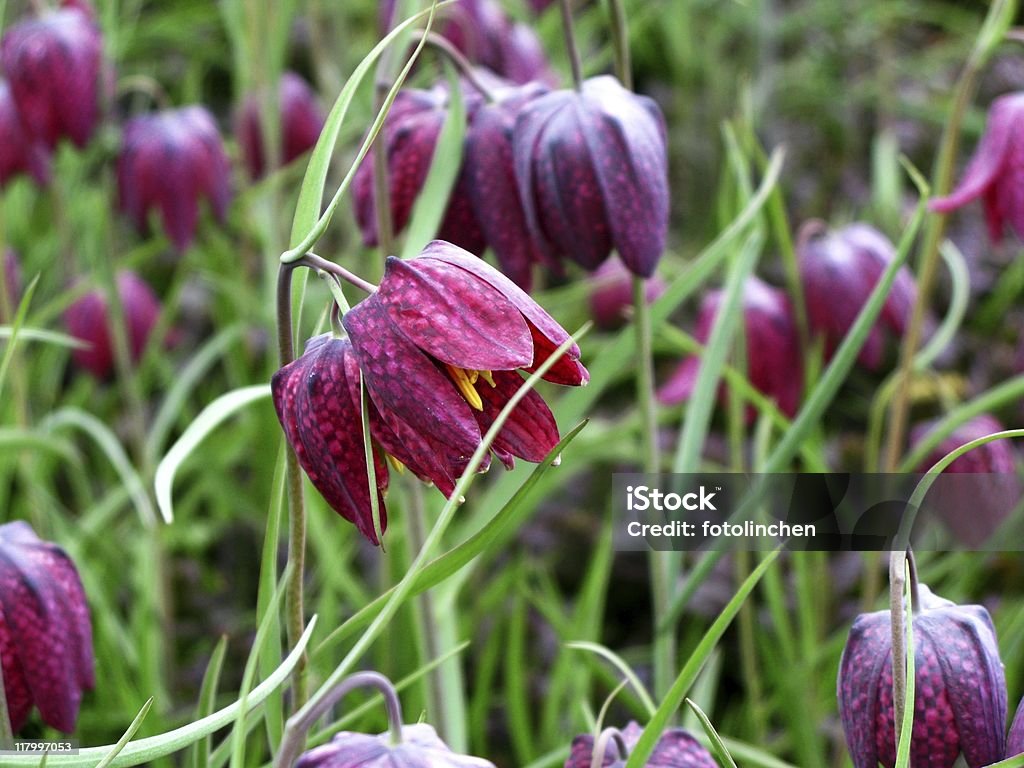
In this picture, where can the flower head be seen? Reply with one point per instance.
(88, 321)
(19, 152)
(774, 363)
(45, 634)
(838, 271)
(410, 136)
(996, 171)
(170, 161)
(973, 507)
(438, 345)
(302, 119)
(53, 65)
(611, 293)
(487, 36)
(960, 689)
(420, 748)
(491, 183)
(593, 174)
(675, 749)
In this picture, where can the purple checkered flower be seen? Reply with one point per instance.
(675, 749)
(960, 690)
(420, 748)
(302, 119)
(45, 634)
(20, 153)
(611, 294)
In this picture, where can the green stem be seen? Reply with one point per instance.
(299, 724)
(620, 40)
(296, 502)
(570, 44)
(998, 20)
(897, 612)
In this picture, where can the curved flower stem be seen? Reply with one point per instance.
(319, 263)
(299, 724)
(296, 503)
(620, 40)
(613, 735)
(900, 562)
(464, 65)
(570, 44)
(1000, 15)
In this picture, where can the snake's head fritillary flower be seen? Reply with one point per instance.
(774, 364)
(960, 689)
(973, 507)
(19, 152)
(45, 634)
(169, 161)
(592, 169)
(486, 35)
(676, 748)
(88, 320)
(53, 64)
(611, 293)
(420, 748)
(317, 400)
(410, 136)
(302, 119)
(996, 171)
(839, 270)
(491, 183)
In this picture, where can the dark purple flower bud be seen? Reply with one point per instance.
(170, 161)
(485, 34)
(53, 65)
(317, 400)
(420, 748)
(45, 634)
(19, 152)
(996, 171)
(410, 137)
(302, 119)
(1015, 739)
(88, 320)
(774, 363)
(973, 507)
(675, 749)
(492, 188)
(593, 174)
(839, 270)
(960, 690)
(611, 294)
(539, 6)
(439, 345)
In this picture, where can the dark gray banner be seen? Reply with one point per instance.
(826, 512)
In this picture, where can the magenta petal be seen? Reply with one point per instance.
(403, 381)
(548, 335)
(860, 673)
(323, 425)
(679, 386)
(454, 316)
(530, 432)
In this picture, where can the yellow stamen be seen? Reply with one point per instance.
(464, 380)
(398, 466)
(488, 377)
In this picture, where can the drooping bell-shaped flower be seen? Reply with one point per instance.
(676, 748)
(170, 161)
(960, 689)
(611, 294)
(491, 184)
(592, 169)
(53, 65)
(302, 119)
(45, 634)
(410, 136)
(20, 153)
(439, 345)
(774, 363)
(996, 171)
(973, 507)
(486, 35)
(88, 320)
(420, 748)
(838, 271)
